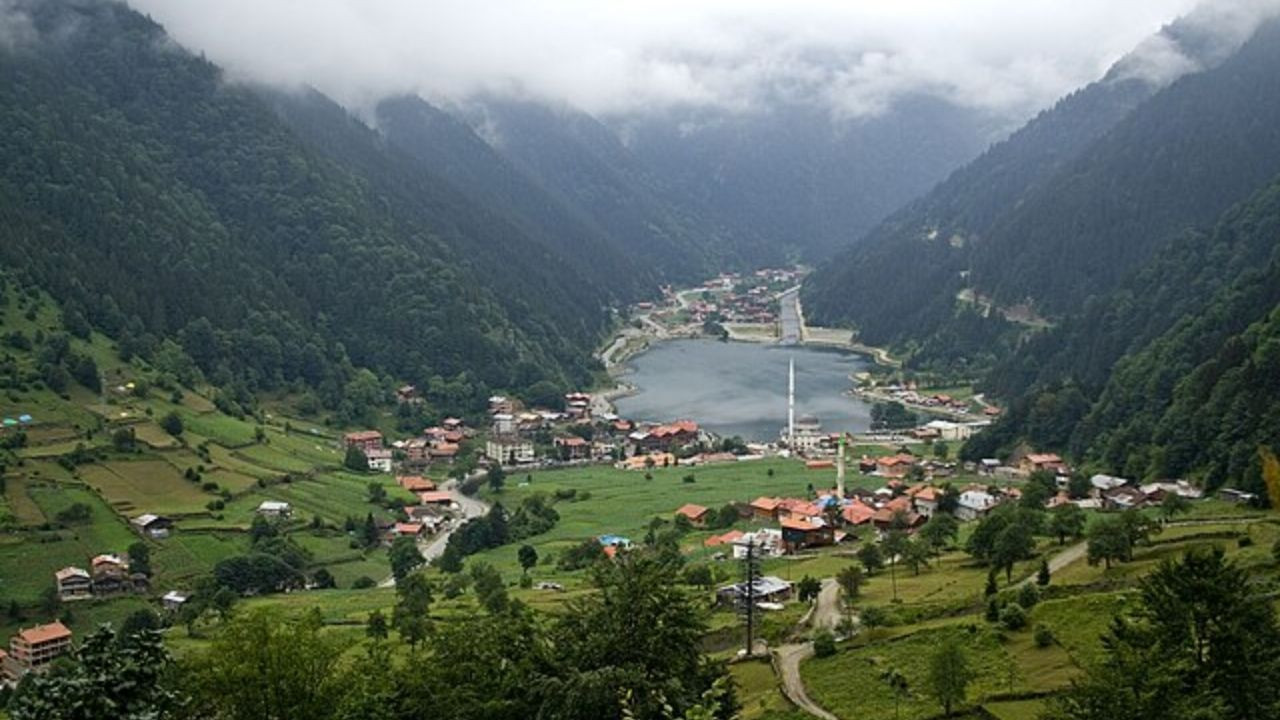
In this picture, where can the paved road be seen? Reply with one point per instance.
(787, 658)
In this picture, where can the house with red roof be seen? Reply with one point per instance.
(726, 539)
(765, 508)
(573, 448)
(857, 513)
(697, 514)
(366, 440)
(435, 497)
(894, 466)
(34, 648)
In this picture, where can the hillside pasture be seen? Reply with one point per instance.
(138, 486)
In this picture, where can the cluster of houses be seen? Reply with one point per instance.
(440, 443)
(743, 298)
(909, 394)
(435, 509)
(108, 574)
(829, 518)
(511, 441)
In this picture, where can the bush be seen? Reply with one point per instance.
(1013, 617)
(363, 582)
(1028, 596)
(74, 514)
(1244, 542)
(1043, 636)
(993, 610)
(172, 424)
(824, 643)
(689, 479)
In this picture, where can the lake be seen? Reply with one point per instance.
(735, 388)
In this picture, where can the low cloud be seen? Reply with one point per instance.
(617, 57)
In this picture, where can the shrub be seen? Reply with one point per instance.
(1043, 636)
(1013, 617)
(1244, 542)
(363, 582)
(824, 643)
(689, 479)
(1028, 596)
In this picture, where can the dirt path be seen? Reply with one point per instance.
(787, 658)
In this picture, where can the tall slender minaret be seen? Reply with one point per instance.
(791, 404)
(840, 468)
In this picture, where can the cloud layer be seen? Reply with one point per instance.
(624, 56)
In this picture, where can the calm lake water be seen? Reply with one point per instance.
(734, 388)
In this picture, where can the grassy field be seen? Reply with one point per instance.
(849, 683)
(137, 486)
(623, 502)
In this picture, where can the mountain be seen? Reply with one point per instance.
(1172, 375)
(583, 164)
(1066, 208)
(807, 180)
(272, 237)
(453, 150)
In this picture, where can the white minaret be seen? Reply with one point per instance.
(791, 404)
(840, 468)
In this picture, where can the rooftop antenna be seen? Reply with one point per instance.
(791, 404)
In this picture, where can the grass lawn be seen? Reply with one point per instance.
(184, 555)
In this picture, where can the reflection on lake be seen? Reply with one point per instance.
(741, 388)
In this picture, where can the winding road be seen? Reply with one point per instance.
(787, 658)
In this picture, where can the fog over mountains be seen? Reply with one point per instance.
(795, 129)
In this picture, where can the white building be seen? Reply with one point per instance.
(275, 509)
(974, 504)
(509, 450)
(952, 431)
(379, 460)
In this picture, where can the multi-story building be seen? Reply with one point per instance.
(36, 647)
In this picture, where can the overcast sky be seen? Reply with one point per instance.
(616, 57)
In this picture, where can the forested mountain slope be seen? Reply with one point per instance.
(450, 148)
(276, 240)
(1070, 204)
(1173, 375)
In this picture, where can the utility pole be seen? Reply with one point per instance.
(747, 596)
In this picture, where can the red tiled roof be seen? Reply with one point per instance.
(801, 525)
(436, 496)
(408, 528)
(857, 513)
(691, 511)
(724, 539)
(765, 503)
(362, 435)
(44, 633)
(573, 441)
(1043, 458)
